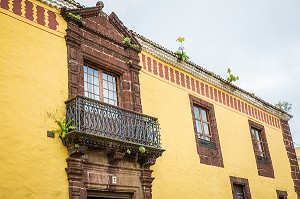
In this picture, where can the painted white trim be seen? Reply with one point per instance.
(70, 4)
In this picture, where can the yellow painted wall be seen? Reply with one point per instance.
(179, 173)
(33, 71)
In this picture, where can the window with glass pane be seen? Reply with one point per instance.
(238, 191)
(202, 123)
(100, 85)
(256, 136)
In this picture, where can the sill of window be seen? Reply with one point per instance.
(207, 144)
(262, 160)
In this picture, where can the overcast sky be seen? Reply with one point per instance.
(258, 39)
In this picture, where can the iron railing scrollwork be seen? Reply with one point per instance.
(98, 118)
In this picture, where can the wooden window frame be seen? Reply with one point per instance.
(202, 135)
(264, 163)
(242, 182)
(100, 79)
(257, 140)
(209, 151)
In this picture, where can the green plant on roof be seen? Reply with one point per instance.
(127, 42)
(181, 55)
(231, 77)
(284, 106)
(78, 17)
(64, 127)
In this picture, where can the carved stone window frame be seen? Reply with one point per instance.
(264, 164)
(243, 182)
(209, 151)
(86, 44)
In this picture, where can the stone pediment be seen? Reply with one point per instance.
(98, 22)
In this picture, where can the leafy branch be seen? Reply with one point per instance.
(64, 127)
(127, 42)
(231, 77)
(181, 55)
(284, 106)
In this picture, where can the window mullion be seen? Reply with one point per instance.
(101, 92)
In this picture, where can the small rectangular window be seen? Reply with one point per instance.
(206, 132)
(240, 188)
(100, 85)
(261, 150)
(282, 194)
(238, 191)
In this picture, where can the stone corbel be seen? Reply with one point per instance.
(115, 156)
(147, 162)
(77, 151)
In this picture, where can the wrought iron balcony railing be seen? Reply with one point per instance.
(104, 120)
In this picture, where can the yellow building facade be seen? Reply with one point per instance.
(215, 140)
(33, 83)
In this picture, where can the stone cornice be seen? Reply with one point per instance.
(69, 4)
(97, 142)
(205, 75)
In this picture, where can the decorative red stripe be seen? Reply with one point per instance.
(216, 94)
(238, 102)
(223, 98)
(193, 84)
(197, 86)
(40, 12)
(206, 90)
(202, 88)
(231, 102)
(246, 109)
(187, 81)
(4, 4)
(177, 77)
(154, 67)
(29, 10)
(17, 7)
(144, 61)
(172, 75)
(256, 113)
(243, 108)
(160, 70)
(227, 100)
(149, 64)
(167, 73)
(219, 96)
(235, 105)
(211, 91)
(52, 20)
(182, 79)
